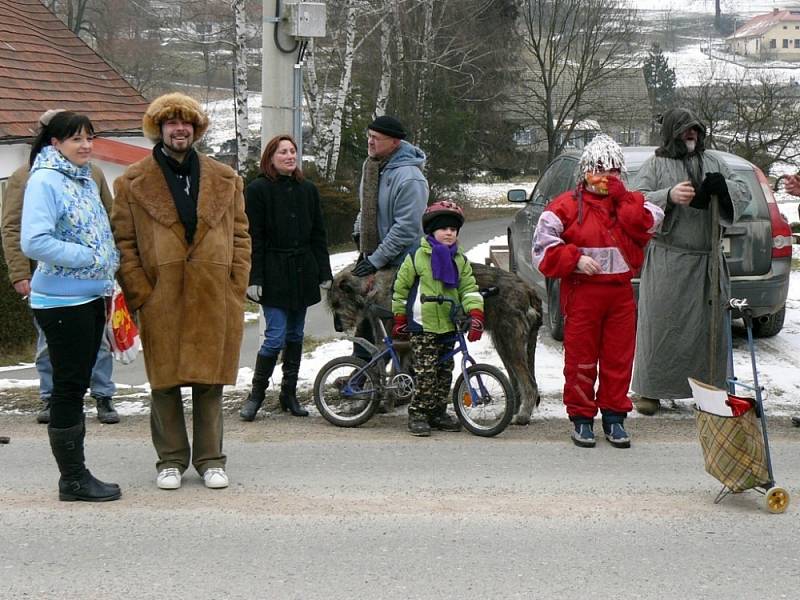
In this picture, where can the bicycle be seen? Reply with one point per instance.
(348, 390)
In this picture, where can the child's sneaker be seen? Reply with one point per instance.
(583, 435)
(418, 425)
(616, 435)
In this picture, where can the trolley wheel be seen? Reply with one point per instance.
(344, 399)
(494, 408)
(777, 500)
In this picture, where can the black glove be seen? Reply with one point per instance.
(701, 199)
(715, 185)
(357, 241)
(363, 268)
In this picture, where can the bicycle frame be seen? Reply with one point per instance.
(376, 358)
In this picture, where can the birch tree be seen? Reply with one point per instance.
(240, 83)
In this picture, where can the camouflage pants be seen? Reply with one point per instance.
(432, 379)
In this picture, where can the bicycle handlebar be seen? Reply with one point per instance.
(456, 308)
(492, 290)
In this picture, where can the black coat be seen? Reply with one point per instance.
(290, 251)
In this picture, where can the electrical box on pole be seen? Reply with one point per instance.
(288, 25)
(306, 19)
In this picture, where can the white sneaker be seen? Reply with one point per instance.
(215, 478)
(169, 479)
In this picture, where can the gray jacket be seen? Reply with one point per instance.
(402, 198)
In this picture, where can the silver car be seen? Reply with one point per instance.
(758, 247)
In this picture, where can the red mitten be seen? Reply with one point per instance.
(616, 189)
(475, 325)
(400, 328)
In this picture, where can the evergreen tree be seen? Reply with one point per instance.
(660, 80)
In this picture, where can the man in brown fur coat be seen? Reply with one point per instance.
(181, 230)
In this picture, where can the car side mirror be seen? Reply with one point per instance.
(517, 196)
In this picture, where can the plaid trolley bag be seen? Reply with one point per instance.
(736, 448)
(733, 450)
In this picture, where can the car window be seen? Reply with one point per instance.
(567, 175)
(558, 178)
(540, 194)
(757, 208)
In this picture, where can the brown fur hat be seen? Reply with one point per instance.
(170, 106)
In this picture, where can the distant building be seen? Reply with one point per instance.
(775, 36)
(618, 105)
(44, 65)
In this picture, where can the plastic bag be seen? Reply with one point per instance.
(121, 330)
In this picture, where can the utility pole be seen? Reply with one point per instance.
(288, 24)
(277, 64)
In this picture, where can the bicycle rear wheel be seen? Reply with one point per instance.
(344, 394)
(485, 406)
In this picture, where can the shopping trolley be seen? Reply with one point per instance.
(736, 448)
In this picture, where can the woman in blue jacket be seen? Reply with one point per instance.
(66, 229)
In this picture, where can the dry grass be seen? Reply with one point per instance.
(19, 355)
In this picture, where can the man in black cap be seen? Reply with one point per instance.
(393, 194)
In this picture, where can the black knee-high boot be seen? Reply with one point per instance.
(292, 354)
(263, 371)
(76, 482)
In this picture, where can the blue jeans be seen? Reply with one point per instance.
(282, 326)
(100, 384)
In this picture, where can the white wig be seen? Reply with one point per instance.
(601, 154)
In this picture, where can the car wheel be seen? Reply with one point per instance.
(554, 318)
(769, 325)
(512, 262)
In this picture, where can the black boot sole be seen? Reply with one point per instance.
(76, 498)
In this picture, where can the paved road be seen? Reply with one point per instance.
(319, 512)
(319, 322)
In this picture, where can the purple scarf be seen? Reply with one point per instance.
(443, 262)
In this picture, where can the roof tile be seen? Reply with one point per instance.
(44, 65)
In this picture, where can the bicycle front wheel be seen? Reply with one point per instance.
(484, 403)
(345, 393)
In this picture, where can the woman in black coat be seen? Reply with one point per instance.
(289, 264)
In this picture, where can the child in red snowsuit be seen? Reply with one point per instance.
(592, 238)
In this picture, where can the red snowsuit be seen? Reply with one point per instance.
(599, 310)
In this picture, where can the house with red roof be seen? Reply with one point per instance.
(774, 36)
(44, 65)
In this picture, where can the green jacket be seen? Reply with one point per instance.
(415, 277)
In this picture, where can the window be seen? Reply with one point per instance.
(796, 43)
(785, 43)
(773, 43)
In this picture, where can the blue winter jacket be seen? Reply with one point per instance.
(66, 229)
(402, 198)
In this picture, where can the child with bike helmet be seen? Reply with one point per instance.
(592, 238)
(438, 267)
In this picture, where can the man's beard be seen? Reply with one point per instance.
(691, 145)
(169, 146)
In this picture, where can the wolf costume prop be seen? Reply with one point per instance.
(513, 318)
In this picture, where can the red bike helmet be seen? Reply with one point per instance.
(442, 213)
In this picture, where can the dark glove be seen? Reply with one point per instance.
(701, 199)
(475, 325)
(363, 268)
(400, 328)
(616, 189)
(715, 185)
(357, 241)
